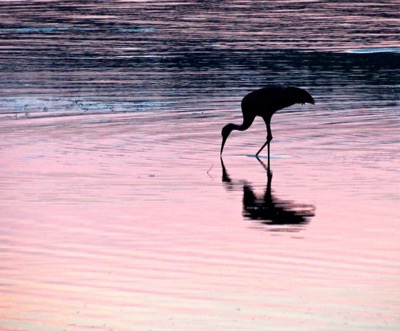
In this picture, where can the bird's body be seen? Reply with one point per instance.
(264, 103)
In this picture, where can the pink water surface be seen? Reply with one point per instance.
(124, 223)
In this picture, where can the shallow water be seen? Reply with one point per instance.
(116, 211)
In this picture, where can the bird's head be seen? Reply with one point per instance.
(300, 96)
(226, 131)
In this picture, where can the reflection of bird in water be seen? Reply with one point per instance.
(268, 209)
(264, 103)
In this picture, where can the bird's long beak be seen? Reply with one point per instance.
(223, 144)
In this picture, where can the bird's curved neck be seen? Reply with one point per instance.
(244, 126)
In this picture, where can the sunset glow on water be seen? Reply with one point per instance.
(116, 210)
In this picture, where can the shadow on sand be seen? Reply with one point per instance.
(268, 209)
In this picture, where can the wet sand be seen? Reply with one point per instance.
(127, 221)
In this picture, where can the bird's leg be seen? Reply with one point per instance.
(267, 121)
(269, 133)
(262, 147)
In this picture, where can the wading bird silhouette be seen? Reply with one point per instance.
(266, 102)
